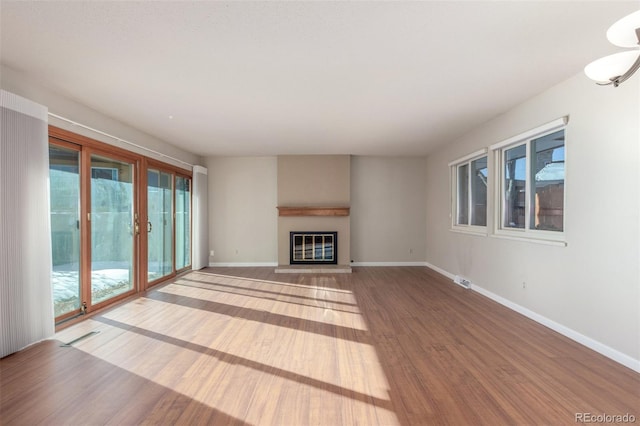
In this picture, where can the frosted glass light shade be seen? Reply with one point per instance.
(623, 32)
(612, 66)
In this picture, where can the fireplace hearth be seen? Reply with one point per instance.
(313, 248)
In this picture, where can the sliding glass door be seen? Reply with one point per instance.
(119, 222)
(168, 222)
(93, 231)
(112, 227)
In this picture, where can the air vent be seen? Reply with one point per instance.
(462, 281)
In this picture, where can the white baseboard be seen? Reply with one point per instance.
(389, 264)
(440, 271)
(253, 264)
(590, 343)
(242, 264)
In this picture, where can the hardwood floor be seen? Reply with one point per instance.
(381, 346)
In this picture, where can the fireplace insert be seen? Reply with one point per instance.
(311, 248)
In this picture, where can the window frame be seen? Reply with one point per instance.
(499, 155)
(454, 212)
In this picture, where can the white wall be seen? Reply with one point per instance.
(20, 84)
(388, 210)
(589, 289)
(387, 195)
(242, 210)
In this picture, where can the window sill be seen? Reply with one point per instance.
(480, 232)
(531, 239)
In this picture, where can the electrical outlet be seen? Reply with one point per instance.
(211, 253)
(524, 284)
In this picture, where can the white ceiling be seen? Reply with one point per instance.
(269, 78)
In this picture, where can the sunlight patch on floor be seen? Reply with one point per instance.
(315, 306)
(262, 361)
(289, 349)
(274, 285)
(244, 387)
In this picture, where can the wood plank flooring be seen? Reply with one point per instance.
(380, 346)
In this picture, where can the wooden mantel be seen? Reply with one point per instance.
(313, 211)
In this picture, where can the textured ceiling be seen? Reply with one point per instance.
(268, 78)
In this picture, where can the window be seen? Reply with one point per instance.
(530, 184)
(469, 192)
(108, 173)
(183, 222)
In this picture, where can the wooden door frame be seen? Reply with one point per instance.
(87, 147)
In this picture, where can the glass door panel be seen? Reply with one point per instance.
(183, 222)
(160, 224)
(112, 228)
(64, 183)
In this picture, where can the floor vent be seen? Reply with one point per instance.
(66, 345)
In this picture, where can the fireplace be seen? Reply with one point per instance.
(312, 248)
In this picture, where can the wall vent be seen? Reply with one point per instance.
(462, 281)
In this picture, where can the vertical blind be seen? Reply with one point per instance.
(26, 305)
(200, 219)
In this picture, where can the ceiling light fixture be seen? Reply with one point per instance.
(616, 68)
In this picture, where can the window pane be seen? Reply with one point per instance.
(463, 195)
(64, 186)
(159, 227)
(514, 187)
(479, 192)
(112, 237)
(547, 176)
(183, 222)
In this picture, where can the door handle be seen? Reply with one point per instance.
(136, 224)
(149, 227)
